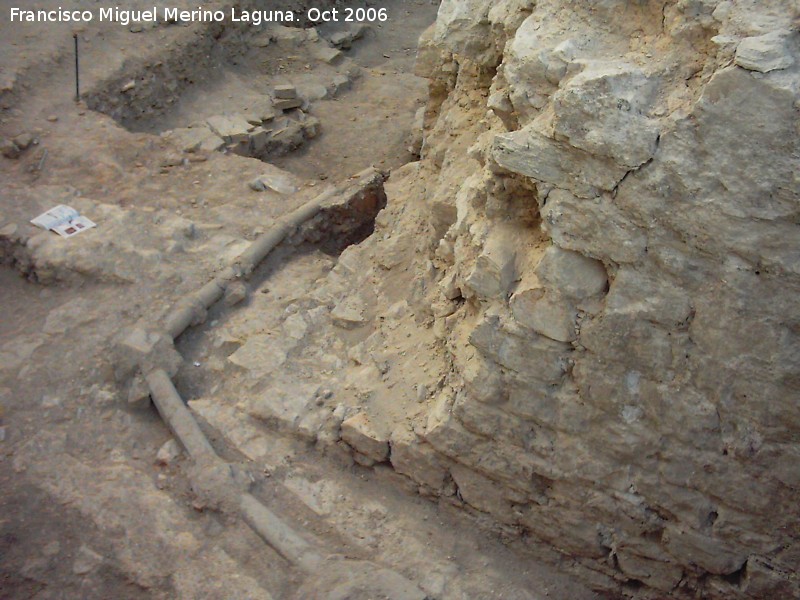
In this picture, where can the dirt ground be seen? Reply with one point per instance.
(86, 509)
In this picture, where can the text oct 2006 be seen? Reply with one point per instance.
(348, 15)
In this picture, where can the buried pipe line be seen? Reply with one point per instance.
(279, 535)
(186, 311)
(173, 410)
(263, 521)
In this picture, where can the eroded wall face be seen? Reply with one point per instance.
(610, 261)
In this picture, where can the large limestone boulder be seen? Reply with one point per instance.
(603, 110)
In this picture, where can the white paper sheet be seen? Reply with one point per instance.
(64, 220)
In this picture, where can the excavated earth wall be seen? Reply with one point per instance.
(602, 239)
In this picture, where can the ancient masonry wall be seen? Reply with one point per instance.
(609, 258)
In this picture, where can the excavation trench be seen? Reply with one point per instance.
(338, 213)
(313, 100)
(146, 88)
(211, 94)
(216, 90)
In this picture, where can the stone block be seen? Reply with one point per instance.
(293, 36)
(545, 312)
(394, 250)
(138, 392)
(24, 140)
(501, 106)
(573, 274)
(260, 111)
(765, 53)
(557, 409)
(240, 148)
(311, 127)
(285, 92)
(340, 83)
(592, 225)
(233, 129)
(349, 313)
(259, 140)
(483, 379)
(196, 139)
(235, 293)
(642, 295)
(565, 528)
(411, 457)
(602, 110)
(341, 39)
(260, 40)
(291, 409)
(360, 434)
(262, 354)
(327, 54)
(495, 422)
(287, 104)
(482, 493)
(168, 453)
(9, 149)
(533, 357)
(492, 457)
(495, 268)
(690, 546)
(312, 92)
(532, 154)
(662, 575)
(464, 28)
(449, 286)
(767, 578)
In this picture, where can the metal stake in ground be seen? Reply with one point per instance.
(77, 71)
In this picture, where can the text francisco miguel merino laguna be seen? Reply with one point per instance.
(125, 17)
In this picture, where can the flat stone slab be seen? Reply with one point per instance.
(231, 128)
(287, 104)
(261, 354)
(327, 55)
(275, 179)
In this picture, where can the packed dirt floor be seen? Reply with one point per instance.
(95, 501)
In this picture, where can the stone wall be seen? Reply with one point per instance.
(603, 230)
